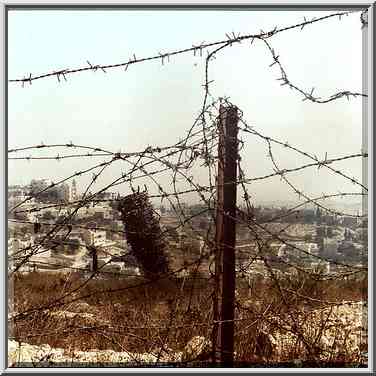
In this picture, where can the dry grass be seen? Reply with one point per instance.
(165, 315)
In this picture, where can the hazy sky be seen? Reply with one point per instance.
(155, 105)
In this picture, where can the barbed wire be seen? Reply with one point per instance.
(229, 41)
(300, 192)
(307, 95)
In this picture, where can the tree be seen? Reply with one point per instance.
(309, 216)
(318, 216)
(73, 246)
(20, 216)
(144, 234)
(47, 216)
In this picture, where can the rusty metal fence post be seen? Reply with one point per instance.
(224, 294)
(93, 253)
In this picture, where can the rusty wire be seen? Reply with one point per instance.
(229, 41)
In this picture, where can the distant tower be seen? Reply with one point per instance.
(74, 190)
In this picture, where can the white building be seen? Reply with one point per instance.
(96, 238)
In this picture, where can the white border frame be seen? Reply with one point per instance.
(3, 204)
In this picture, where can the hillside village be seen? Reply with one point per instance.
(309, 238)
